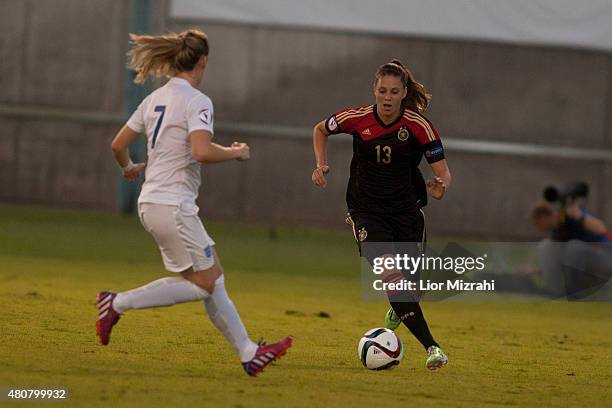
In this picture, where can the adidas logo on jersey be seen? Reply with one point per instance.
(367, 132)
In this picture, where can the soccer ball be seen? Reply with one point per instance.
(380, 349)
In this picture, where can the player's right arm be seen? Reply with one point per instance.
(321, 131)
(319, 141)
(119, 147)
(134, 127)
(205, 151)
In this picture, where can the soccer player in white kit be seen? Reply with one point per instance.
(178, 122)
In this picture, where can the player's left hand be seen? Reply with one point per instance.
(436, 188)
(243, 151)
(133, 172)
(318, 175)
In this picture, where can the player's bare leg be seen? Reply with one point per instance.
(204, 279)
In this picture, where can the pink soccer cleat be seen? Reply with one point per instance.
(266, 354)
(107, 316)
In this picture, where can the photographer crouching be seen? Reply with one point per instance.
(576, 259)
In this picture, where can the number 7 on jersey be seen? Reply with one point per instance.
(162, 109)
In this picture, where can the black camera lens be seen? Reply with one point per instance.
(577, 189)
(551, 194)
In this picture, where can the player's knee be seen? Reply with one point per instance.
(209, 287)
(210, 278)
(205, 279)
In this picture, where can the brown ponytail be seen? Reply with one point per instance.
(417, 98)
(166, 55)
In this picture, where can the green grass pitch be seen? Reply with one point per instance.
(52, 263)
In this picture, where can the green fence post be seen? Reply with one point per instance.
(139, 23)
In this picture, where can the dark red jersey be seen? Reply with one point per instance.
(385, 175)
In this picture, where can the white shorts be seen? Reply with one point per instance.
(179, 234)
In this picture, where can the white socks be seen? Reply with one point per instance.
(162, 292)
(224, 316)
(170, 291)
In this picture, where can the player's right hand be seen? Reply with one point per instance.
(318, 175)
(243, 151)
(133, 172)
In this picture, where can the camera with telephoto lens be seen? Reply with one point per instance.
(566, 193)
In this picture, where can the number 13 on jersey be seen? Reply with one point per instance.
(386, 154)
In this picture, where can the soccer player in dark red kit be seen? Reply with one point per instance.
(386, 190)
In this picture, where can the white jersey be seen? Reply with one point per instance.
(168, 116)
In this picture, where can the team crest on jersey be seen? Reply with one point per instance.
(403, 134)
(204, 116)
(363, 234)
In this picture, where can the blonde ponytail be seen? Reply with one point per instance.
(166, 55)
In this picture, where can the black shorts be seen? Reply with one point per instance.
(397, 229)
(383, 235)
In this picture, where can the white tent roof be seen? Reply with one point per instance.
(572, 23)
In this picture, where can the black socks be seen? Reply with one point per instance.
(411, 315)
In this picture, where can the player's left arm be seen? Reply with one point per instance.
(430, 142)
(204, 150)
(200, 125)
(442, 179)
(119, 146)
